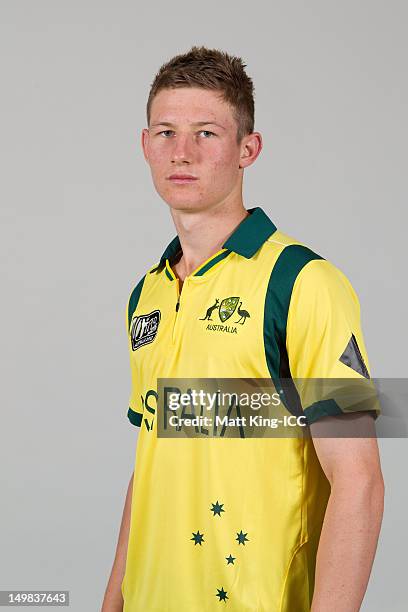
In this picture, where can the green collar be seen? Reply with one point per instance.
(246, 239)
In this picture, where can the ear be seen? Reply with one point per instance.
(251, 146)
(145, 143)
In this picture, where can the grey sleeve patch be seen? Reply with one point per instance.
(353, 358)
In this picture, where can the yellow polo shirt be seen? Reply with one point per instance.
(229, 522)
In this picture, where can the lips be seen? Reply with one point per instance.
(182, 178)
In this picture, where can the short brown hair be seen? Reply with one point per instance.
(215, 70)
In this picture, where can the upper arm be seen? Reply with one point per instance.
(324, 340)
(353, 454)
(323, 317)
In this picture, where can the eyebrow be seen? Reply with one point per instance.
(196, 124)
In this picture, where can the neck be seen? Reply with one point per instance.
(203, 232)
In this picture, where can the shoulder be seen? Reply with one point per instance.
(302, 279)
(287, 254)
(137, 288)
(304, 264)
(147, 276)
(323, 282)
(321, 290)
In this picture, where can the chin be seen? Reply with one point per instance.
(184, 201)
(186, 206)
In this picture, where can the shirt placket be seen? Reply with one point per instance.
(180, 306)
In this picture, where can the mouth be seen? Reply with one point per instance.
(182, 179)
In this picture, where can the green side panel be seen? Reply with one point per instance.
(134, 299)
(290, 262)
(288, 265)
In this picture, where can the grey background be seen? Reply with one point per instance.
(81, 223)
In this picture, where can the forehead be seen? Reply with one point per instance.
(190, 104)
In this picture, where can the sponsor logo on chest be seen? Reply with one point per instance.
(144, 329)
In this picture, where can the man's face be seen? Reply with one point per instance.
(193, 133)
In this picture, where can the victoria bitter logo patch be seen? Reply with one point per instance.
(144, 329)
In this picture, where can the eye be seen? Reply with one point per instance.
(207, 132)
(166, 132)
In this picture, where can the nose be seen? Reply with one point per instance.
(182, 149)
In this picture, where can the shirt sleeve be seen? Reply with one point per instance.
(325, 345)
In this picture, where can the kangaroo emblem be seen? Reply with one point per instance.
(210, 310)
(243, 314)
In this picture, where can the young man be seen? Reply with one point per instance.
(277, 525)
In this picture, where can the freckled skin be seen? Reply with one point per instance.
(209, 152)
